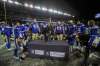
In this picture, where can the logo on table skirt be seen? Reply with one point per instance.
(57, 54)
(39, 52)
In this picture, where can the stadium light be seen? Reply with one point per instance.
(51, 10)
(10, 1)
(17, 3)
(55, 11)
(66, 14)
(37, 7)
(4, 0)
(59, 12)
(26, 5)
(44, 8)
(31, 6)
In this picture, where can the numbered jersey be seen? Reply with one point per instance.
(35, 28)
(81, 28)
(19, 31)
(71, 29)
(59, 29)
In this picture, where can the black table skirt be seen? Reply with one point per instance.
(51, 49)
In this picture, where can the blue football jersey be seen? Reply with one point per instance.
(8, 31)
(66, 29)
(94, 30)
(35, 28)
(93, 33)
(58, 29)
(19, 31)
(71, 34)
(27, 27)
(71, 29)
(81, 28)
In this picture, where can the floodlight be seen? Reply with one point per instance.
(59, 12)
(55, 11)
(37, 7)
(17, 3)
(10, 1)
(51, 10)
(26, 5)
(44, 8)
(66, 14)
(31, 6)
(4, 0)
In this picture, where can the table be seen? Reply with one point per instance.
(50, 50)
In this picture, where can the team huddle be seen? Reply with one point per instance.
(70, 32)
(57, 31)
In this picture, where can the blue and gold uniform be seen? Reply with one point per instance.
(71, 34)
(59, 30)
(93, 33)
(81, 28)
(35, 30)
(82, 34)
(19, 31)
(19, 35)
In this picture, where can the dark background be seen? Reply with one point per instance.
(80, 8)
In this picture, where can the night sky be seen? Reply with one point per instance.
(86, 8)
(80, 8)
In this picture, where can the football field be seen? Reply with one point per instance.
(6, 59)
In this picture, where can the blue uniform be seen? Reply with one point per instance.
(8, 31)
(81, 28)
(66, 29)
(45, 25)
(71, 34)
(58, 29)
(35, 28)
(19, 31)
(93, 33)
(27, 27)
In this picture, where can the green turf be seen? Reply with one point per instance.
(6, 59)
